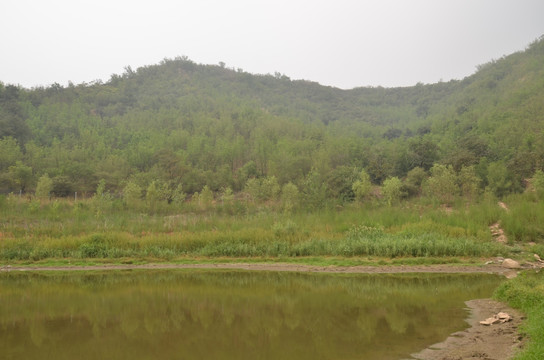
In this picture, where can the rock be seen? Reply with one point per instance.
(537, 258)
(490, 321)
(504, 317)
(501, 317)
(510, 264)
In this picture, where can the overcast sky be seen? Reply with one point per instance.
(342, 43)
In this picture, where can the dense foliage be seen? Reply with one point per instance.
(171, 131)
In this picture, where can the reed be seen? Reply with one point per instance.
(32, 230)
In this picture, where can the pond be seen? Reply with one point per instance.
(205, 314)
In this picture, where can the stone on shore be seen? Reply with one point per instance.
(510, 264)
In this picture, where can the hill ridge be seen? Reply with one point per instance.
(179, 122)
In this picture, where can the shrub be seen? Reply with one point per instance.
(94, 247)
(44, 187)
(62, 186)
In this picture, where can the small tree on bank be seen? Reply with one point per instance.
(538, 183)
(132, 194)
(44, 187)
(362, 186)
(469, 182)
(442, 184)
(290, 197)
(392, 190)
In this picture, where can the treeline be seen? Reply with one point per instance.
(181, 129)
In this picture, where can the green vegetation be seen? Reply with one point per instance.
(210, 128)
(526, 292)
(179, 160)
(105, 227)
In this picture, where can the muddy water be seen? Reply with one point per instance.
(197, 314)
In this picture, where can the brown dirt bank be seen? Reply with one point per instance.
(386, 269)
(494, 342)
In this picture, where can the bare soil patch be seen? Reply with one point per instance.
(498, 233)
(492, 268)
(493, 342)
(503, 205)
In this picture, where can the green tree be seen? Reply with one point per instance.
(153, 195)
(246, 172)
(270, 188)
(469, 182)
(392, 190)
(340, 182)
(263, 189)
(178, 195)
(290, 197)
(442, 184)
(253, 188)
(314, 191)
(498, 179)
(101, 199)
(101, 189)
(468, 151)
(413, 181)
(227, 195)
(132, 194)
(62, 186)
(362, 186)
(44, 187)
(538, 183)
(206, 197)
(423, 153)
(12, 117)
(9, 152)
(21, 175)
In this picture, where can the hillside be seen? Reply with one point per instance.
(179, 122)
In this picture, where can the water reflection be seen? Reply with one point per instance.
(180, 314)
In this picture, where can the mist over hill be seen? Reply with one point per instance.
(181, 123)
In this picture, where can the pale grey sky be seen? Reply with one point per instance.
(342, 43)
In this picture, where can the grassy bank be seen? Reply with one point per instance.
(60, 231)
(526, 292)
(31, 230)
(115, 245)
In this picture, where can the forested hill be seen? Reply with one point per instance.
(179, 122)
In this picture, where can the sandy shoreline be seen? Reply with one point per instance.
(494, 342)
(385, 269)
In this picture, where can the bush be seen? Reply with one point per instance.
(95, 247)
(288, 228)
(62, 186)
(44, 187)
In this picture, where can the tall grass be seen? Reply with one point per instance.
(33, 230)
(360, 241)
(524, 221)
